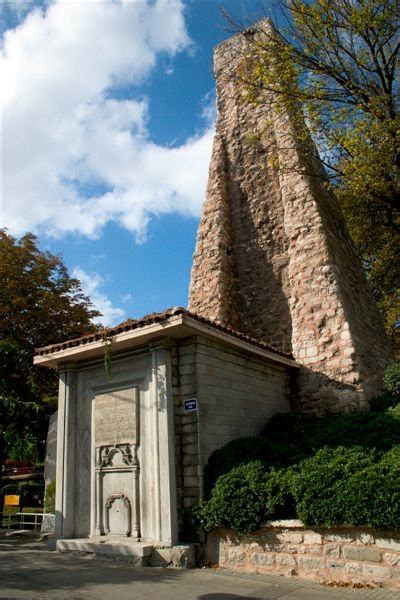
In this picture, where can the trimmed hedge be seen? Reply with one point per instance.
(238, 500)
(349, 486)
(246, 497)
(322, 491)
(289, 438)
(341, 486)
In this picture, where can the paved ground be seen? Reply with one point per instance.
(29, 570)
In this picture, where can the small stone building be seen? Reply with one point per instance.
(133, 442)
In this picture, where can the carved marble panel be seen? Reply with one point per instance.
(118, 515)
(116, 417)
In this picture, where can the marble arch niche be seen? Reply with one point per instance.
(116, 441)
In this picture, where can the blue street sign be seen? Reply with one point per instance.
(190, 405)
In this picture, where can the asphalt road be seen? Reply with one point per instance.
(28, 569)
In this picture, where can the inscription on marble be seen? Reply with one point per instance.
(116, 419)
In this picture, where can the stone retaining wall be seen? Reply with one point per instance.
(345, 555)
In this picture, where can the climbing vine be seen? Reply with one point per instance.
(107, 341)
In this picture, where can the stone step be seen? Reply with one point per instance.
(137, 553)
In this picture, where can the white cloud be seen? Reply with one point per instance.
(91, 284)
(126, 297)
(76, 158)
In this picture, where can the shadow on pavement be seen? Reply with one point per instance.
(228, 597)
(27, 565)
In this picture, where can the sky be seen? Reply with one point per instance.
(108, 112)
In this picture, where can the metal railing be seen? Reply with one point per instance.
(21, 520)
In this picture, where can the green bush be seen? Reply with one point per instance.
(391, 380)
(289, 438)
(50, 498)
(280, 503)
(349, 486)
(319, 490)
(236, 453)
(246, 497)
(238, 500)
(372, 495)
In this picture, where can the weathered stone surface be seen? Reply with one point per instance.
(353, 568)
(362, 553)
(292, 538)
(115, 417)
(332, 550)
(262, 559)
(273, 257)
(286, 560)
(311, 563)
(329, 561)
(388, 543)
(184, 556)
(234, 554)
(392, 559)
(377, 572)
(312, 538)
(335, 564)
(365, 538)
(339, 537)
(48, 524)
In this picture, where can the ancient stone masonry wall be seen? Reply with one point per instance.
(239, 274)
(341, 555)
(273, 257)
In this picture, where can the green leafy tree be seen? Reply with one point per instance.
(40, 304)
(338, 61)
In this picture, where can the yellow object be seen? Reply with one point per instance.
(11, 500)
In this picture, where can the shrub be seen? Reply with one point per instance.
(238, 500)
(391, 380)
(280, 503)
(247, 496)
(289, 438)
(236, 453)
(372, 495)
(349, 486)
(50, 498)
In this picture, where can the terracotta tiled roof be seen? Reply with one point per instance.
(131, 324)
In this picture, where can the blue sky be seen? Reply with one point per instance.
(108, 124)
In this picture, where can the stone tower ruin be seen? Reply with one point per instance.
(273, 258)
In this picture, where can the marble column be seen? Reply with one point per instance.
(164, 450)
(66, 442)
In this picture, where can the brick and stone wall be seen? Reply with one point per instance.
(342, 555)
(273, 258)
(237, 393)
(187, 458)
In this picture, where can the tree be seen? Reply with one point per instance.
(40, 304)
(338, 60)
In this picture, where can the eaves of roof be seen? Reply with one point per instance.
(161, 318)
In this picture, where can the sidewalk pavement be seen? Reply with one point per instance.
(29, 570)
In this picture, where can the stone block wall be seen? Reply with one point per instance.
(341, 555)
(273, 257)
(188, 469)
(237, 393)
